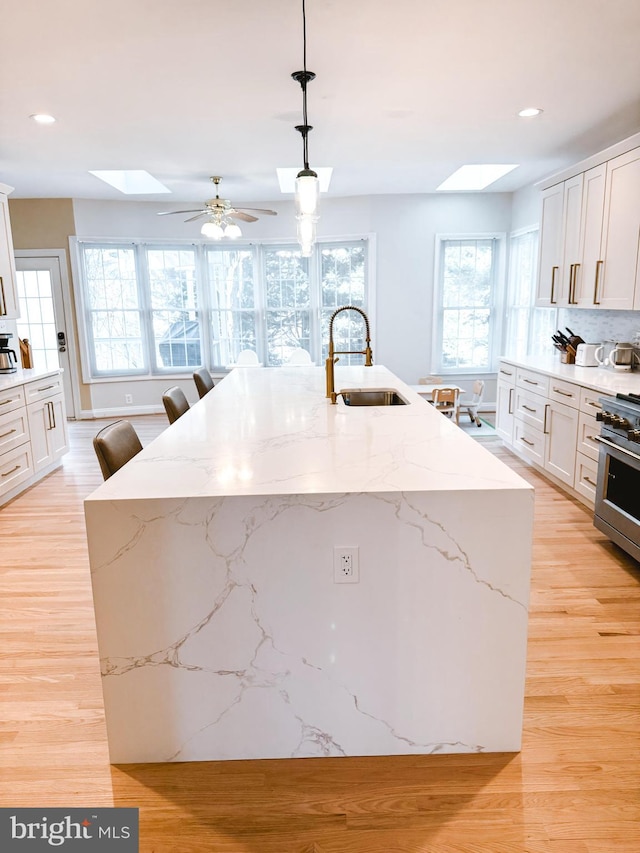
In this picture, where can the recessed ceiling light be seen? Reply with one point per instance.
(287, 177)
(529, 112)
(476, 177)
(43, 118)
(131, 181)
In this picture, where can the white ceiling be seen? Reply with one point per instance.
(406, 91)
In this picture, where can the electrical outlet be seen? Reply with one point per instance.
(128, 398)
(346, 564)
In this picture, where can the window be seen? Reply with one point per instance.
(528, 329)
(153, 309)
(467, 317)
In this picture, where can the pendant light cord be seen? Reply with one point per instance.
(305, 144)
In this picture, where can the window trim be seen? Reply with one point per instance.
(139, 244)
(496, 308)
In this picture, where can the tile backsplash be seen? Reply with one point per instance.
(597, 326)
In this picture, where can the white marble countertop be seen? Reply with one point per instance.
(596, 378)
(10, 380)
(268, 432)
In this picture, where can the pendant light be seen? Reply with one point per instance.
(307, 184)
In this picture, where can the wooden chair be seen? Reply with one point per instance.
(472, 405)
(430, 380)
(446, 401)
(175, 403)
(204, 382)
(115, 445)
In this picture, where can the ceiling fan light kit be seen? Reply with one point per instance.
(221, 215)
(307, 183)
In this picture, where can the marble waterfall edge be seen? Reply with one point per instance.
(222, 634)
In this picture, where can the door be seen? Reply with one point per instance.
(43, 317)
(550, 251)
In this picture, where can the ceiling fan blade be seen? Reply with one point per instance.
(238, 214)
(261, 210)
(171, 212)
(197, 216)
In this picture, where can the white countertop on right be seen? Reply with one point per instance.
(601, 379)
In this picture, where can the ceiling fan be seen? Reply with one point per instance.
(220, 213)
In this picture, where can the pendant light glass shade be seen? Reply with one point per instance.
(307, 192)
(212, 230)
(306, 234)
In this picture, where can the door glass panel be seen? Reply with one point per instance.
(36, 322)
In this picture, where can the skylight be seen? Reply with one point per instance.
(477, 177)
(131, 181)
(287, 177)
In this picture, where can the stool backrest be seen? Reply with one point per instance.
(115, 445)
(175, 403)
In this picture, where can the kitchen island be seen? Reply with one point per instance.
(222, 631)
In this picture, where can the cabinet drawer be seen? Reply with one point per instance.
(43, 389)
(586, 477)
(590, 401)
(529, 441)
(588, 429)
(507, 373)
(529, 380)
(564, 392)
(11, 399)
(530, 408)
(14, 430)
(15, 467)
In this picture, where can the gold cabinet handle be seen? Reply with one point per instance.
(15, 468)
(588, 480)
(544, 425)
(554, 270)
(528, 408)
(510, 406)
(526, 441)
(530, 381)
(573, 279)
(599, 264)
(564, 393)
(3, 302)
(5, 434)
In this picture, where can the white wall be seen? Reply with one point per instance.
(405, 228)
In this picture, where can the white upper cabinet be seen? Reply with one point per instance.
(550, 252)
(8, 292)
(590, 238)
(621, 234)
(591, 244)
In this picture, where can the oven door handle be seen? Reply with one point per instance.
(602, 440)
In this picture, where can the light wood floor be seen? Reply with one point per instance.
(574, 788)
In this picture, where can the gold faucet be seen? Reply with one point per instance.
(331, 360)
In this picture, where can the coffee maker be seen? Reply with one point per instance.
(8, 360)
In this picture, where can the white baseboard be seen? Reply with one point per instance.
(119, 412)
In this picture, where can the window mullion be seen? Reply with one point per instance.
(145, 313)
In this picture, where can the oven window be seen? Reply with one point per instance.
(622, 487)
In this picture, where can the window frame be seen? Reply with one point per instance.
(204, 310)
(496, 307)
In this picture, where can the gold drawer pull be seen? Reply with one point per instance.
(591, 483)
(526, 441)
(8, 400)
(530, 381)
(594, 404)
(15, 468)
(564, 393)
(528, 408)
(5, 434)
(591, 438)
(46, 388)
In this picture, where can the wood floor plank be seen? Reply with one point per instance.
(572, 789)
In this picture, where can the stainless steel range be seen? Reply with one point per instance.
(617, 509)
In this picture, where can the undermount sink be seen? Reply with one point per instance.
(372, 397)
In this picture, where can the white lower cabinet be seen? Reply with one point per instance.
(553, 426)
(560, 444)
(48, 428)
(33, 433)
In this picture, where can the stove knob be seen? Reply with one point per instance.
(599, 416)
(607, 417)
(634, 435)
(624, 424)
